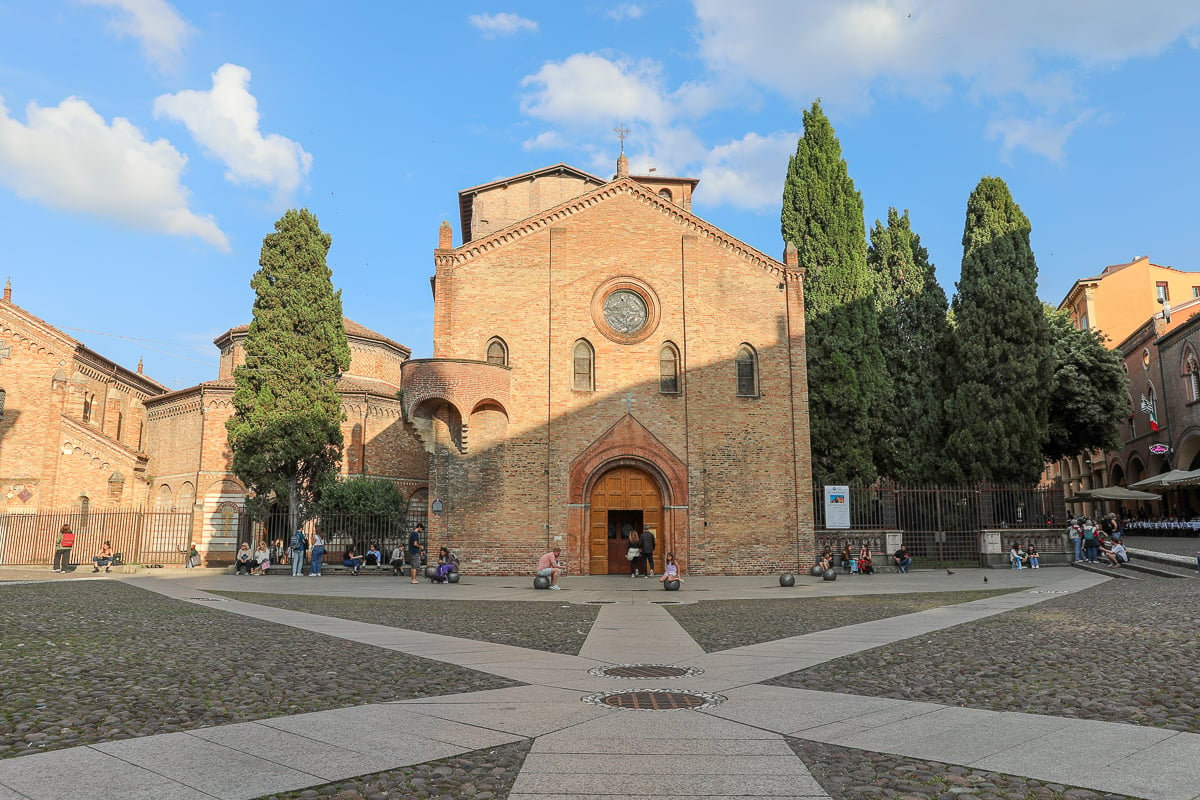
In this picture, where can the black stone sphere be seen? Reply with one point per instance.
(541, 582)
(452, 577)
(816, 571)
(787, 579)
(671, 586)
(431, 571)
(829, 575)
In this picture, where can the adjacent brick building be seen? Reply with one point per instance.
(73, 424)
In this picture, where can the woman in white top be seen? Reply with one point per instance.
(318, 555)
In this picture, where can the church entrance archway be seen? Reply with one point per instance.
(623, 498)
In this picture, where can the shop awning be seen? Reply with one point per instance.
(1114, 493)
(1166, 479)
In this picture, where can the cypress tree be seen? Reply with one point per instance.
(286, 429)
(914, 335)
(1000, 365)
(822, 216)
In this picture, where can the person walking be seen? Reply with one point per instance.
(416, 549)
(62, 548)
(318, 554)
(299, 548)
(647, 546)
(633, 550)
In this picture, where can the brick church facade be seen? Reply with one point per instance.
(603, 360)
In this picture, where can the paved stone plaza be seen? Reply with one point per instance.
(1039, 684)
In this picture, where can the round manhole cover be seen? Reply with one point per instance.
(655, 700)
(642, 671)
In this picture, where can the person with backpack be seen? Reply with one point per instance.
(1075, 534)
(298, 548)
(62, 548)
(1091, 542)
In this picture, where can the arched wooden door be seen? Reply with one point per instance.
(623, 495)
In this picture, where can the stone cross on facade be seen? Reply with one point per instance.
(629, 401)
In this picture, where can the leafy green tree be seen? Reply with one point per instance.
(285, 431)
(1088, 393)
(358, 496)
(822, 216)
(914, 335)
(1000, 365)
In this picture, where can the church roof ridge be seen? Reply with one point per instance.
(352, 329)
(575, 205)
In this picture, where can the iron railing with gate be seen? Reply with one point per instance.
(942, 525)
(385, 531)
(141, 537)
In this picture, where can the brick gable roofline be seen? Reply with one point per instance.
(353, 331)
(86, 356)
(466, 198)
(570, 208)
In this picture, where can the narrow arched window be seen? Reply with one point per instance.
(747, 372)
(497, 352)
(120, 424)
(1192, 377)
(584, 358)
(87, 407)
(665, 194)
(668, 369)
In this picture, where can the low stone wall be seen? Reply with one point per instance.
(1053, 546)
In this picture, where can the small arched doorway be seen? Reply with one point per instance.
(621, 498)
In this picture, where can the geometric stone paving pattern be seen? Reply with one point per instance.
(734, 748)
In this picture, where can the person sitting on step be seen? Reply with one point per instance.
(104, 558)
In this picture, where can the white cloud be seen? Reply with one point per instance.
(1043, 136)
(68, 157)
(159, 27)
(748, 173)
(225, 122)
(626, 11)
(502, 24)
(1024, 52)
(589, 89)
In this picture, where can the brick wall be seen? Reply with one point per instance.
(540, 288)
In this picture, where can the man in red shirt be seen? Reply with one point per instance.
(548, 566)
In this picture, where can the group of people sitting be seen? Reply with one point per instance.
(1097, 542)
(252, 562)
(1024, 556)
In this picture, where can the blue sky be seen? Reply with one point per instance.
(147, 147)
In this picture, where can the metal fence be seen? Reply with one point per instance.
(141, 537)
(942, 525)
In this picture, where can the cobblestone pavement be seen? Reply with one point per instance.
(92, 661)
(479, 775)
(166, 666)
(1124, 651)
(724, 624)
(553, 627)
(856, 775)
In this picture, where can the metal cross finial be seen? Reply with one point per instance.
(629, 401)
(621, 133)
